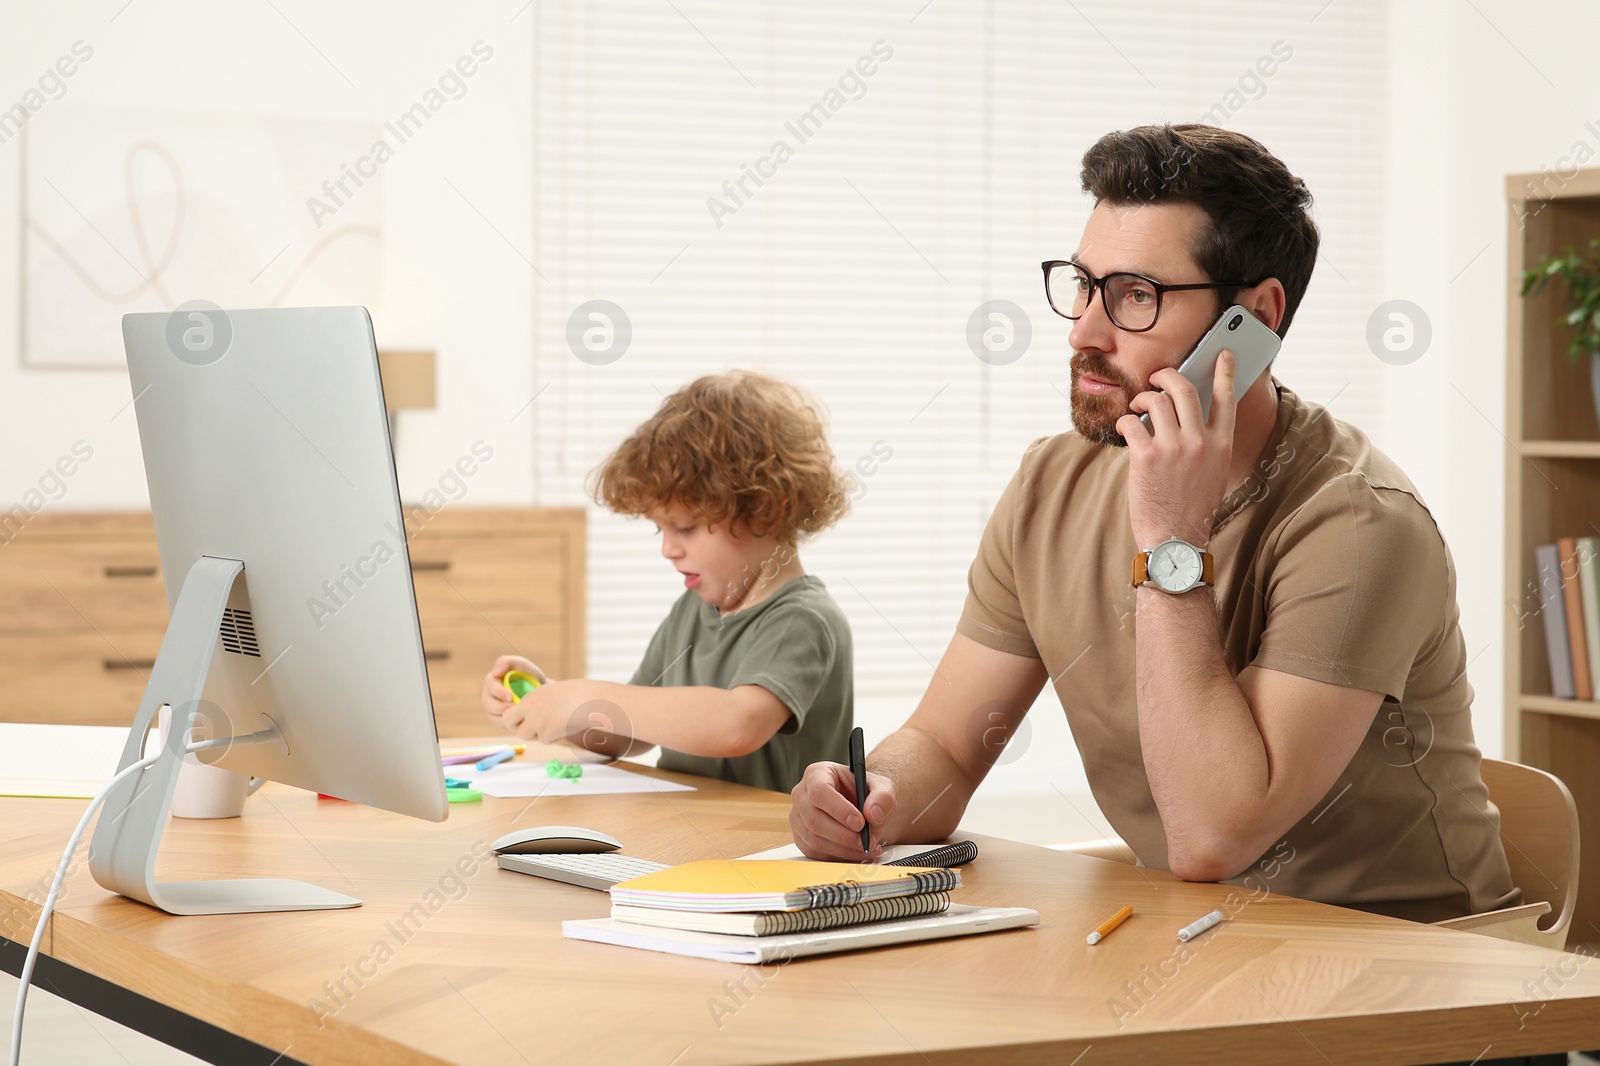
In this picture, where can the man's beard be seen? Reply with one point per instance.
(1095, 417)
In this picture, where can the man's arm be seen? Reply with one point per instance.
(1233, 764)
(921, 777)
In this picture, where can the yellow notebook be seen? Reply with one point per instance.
(765, 885)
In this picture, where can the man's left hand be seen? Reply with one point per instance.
(1178, 469)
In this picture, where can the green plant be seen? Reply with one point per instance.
(1581, 272)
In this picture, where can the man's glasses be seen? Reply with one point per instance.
(1132, 301)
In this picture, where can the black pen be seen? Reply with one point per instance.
(858, 766)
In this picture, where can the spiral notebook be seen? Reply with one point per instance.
(753, 885)
(959, 920)
(773, 923)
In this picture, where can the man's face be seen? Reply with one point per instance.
(1110, 365)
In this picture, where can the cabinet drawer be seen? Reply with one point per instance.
(459, 656)
(76, 678)
(67, 585)
(468, 579)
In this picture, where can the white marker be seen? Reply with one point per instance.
(1194, 929)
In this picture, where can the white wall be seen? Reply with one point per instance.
(450, 281)
(1476, 92)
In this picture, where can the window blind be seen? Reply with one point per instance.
(733, 178)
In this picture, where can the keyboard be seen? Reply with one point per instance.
(597, 871)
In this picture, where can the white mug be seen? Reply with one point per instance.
(207, 791)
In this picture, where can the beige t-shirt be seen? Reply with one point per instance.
(1329, 567)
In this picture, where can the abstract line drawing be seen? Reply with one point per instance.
(126, 211)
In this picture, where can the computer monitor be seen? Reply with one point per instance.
(294, 622)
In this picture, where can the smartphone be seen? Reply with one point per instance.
(1253, 346)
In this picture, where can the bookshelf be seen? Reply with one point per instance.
(1552, 489)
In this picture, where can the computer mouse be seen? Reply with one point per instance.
(554, 839)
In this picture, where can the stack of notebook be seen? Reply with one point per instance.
(748, 910)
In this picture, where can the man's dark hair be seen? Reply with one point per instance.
(1260, 217)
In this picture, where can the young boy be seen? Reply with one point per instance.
(750, 677)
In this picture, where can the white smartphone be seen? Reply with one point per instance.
(1253, 345)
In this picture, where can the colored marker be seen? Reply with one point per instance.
(457, 760)
(457, 782)
(496, 759)
(482, 749)
(461, 755)
(1111, 923)
(1195, 928)
(463, 795)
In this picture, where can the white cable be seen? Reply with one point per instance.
(50, 902)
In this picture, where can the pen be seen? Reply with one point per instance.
(1111, 923)
(1195, 928)
(496, 759)
(858, 766)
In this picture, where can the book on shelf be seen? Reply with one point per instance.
(1589, 589)
(1582, 679)
(773, 923)
(1552, 606)
(753, 885)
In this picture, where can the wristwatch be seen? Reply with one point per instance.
(1173, 566)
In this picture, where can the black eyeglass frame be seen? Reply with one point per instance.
(1099, 283)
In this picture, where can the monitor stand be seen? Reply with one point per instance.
(122, 856)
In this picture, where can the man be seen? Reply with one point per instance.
(1309, 699)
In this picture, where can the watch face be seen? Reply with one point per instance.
(1174, 566)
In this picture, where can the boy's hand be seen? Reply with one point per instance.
(547, 714)
(824, 818)
(496, 698)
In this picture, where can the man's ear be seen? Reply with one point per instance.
(1266, 301)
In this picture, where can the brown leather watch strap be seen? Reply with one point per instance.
(1141, 568)
(1208, 570)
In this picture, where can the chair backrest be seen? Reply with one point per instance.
(1539, 827)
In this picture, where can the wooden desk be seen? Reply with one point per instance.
(486, 977)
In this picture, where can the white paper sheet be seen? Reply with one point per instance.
(959, 920)
(517, 779)
(72, 761)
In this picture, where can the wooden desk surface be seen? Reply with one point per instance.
(481, 973)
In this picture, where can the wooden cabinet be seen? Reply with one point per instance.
(1552, 490)
(495, 582)
(83, 608)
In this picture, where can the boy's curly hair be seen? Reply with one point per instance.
(740, 450)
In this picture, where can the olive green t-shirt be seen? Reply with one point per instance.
(796, 645)
(1328, 566)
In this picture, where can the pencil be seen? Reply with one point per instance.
(1111, 923)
